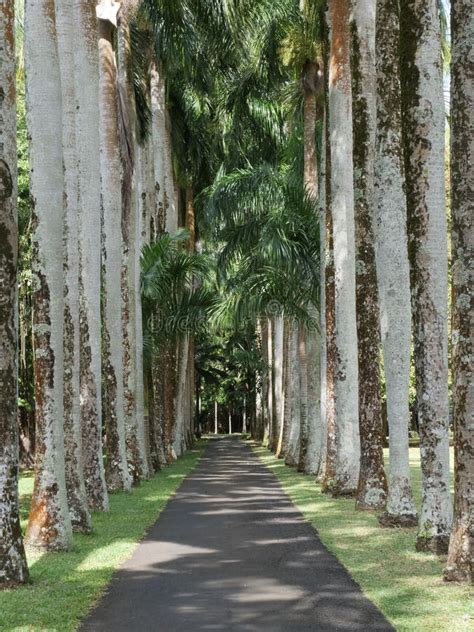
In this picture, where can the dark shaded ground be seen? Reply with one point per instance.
(231, 552)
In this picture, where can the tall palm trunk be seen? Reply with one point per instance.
(303, 397)
(86, 75)
(157, 91)
(75, 485)
(288, 419)
(372, 488)
(132, 364)
(117, 474)
(169, 401)
(347, 459)
(171, 201)
(460, 565)
(392, 263)
(320, 439)
(145, 206)
(13, 568)
(423, 127)
(310, 456)
(180, 422)
(268, 380)
(49, 525)
(278, 347)
(329, 312)
(294, 408)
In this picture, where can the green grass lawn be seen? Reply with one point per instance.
(65, 585)
(407, 586)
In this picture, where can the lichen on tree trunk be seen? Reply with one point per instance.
(49, 524)
(347, 439)
(423, 118)
(76, 492)
(392, 263)
(460, 563)
(86, 73)
(13, 567)
(372, 487)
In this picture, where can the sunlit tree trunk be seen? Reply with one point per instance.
(347, 442)
(117, 474)
(392, 263)
(460, 565)
(329, 312)
(76, 491)
(49, 525)
(13, 568)
(320, 439)
(86, 75)
(372, 488)
(423, 127)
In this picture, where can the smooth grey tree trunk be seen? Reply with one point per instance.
(294, 409)
(76, 490)
(372, 488)
(117, 474)
(392, 263)
(86, 75)
(423, 118)
(347, 439)
(134, 414)
(49, 525)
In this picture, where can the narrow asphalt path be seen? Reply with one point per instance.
(231, 552)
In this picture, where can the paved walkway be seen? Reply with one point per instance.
(231, 552)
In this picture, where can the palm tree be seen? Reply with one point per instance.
(13, 568)
(423, 126)
(346, 474)
(76, 491)
(132, 360)
(117, 474)
(86, 76)
(392, 263)
(168, 291)
(49, 525)
(460, 563)
(372, 488)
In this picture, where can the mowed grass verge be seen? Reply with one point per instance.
(407, 586)
(64, 586)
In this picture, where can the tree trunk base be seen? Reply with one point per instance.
(456, 574)
(404, 521)
(340, 492)
(364, 506)
(438, 544)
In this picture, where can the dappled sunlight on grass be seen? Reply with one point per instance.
(64, 586)
(407, 586)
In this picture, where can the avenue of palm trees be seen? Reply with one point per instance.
(236, 214)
